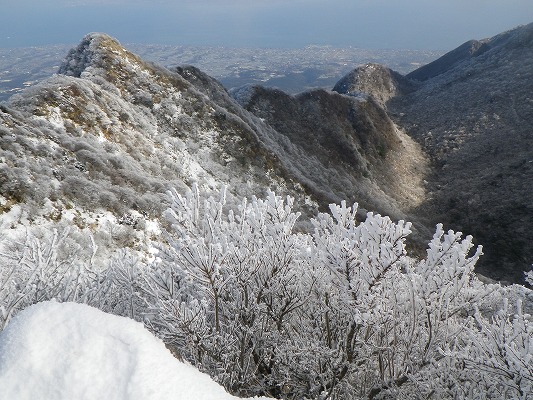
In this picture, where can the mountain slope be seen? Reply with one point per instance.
(360, 154)
(473, 114)
(102, 141)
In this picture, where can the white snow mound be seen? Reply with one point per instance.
(65, 351)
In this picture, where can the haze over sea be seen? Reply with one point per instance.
(384, 24)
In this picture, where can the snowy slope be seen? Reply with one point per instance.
(54, 351)
(100, 144)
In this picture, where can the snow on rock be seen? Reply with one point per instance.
(65, 351)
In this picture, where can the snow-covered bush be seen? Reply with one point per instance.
(40, 266)
(59, 263)
(342, 312)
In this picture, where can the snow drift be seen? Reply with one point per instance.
(73, 351)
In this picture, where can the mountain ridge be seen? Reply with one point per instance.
(111, 133)
(468, 51)
(116, 149)
(352, 135)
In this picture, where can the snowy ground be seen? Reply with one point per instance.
(72, 351)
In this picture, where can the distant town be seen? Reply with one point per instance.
(292, 70)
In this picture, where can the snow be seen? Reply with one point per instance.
(65, 351)
(55, 118)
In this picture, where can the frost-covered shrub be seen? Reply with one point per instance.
(59, 263)
(15, 183)
(342, 312)
(41, 266)
(82, 190)
(228, 287)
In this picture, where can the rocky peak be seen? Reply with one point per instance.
(375, 80)
(129, 129)
(104, 61)
(96, 50)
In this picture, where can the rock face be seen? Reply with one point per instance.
(473, 114)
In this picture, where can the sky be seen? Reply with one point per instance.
(372, 24)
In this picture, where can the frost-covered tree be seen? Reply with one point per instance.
(399, 312)
(230, 288)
